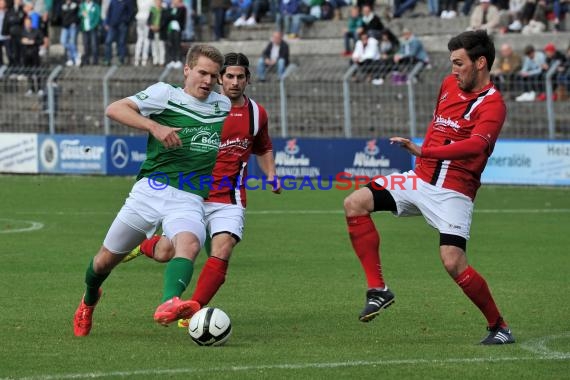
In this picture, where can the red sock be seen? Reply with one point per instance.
(475, 287)
(366, 243)
(147, 246)
(211, 278)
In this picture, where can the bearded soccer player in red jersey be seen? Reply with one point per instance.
(467, 120)
(245, 132)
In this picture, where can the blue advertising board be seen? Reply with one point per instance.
(73, 154)
(305, 157)
(125, 154)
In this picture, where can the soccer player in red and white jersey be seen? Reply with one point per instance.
(245, 132)
(467, 120)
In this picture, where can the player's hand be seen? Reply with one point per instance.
(407, 144)
(275, 183)
(167, 136)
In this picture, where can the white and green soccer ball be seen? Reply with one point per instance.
(210, 327)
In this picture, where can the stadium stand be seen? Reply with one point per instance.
(316, 95)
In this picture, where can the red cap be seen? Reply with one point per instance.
(550, 47)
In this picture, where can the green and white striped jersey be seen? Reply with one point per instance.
(185, 167)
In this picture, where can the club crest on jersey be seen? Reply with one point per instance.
(141, 96)
(217, 108)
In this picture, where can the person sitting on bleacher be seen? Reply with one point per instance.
(351, 31)
(367, 56)
(309, 12)
(532, 74)
(371, 23)
(505, 69)
(389, 46)
(486, 17)
(284, 18)
(411, 52)
(276, 54)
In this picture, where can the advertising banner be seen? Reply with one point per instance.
(18, 153)
(529, 163)
(72, 154)
(125, 154)
(305, 157)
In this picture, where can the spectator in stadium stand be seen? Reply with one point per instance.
(411, 52)
(443, 186)
(142, 46)
(275, 54)
(31, 40)
(69, 27)
(158, 29)
(244, 9)
(366, 56)
(119, 16)
(448, 9)
(90, 16)
(284, 18)
(371, 22)
(486, 17)
(350, 32)
(307, 15)
(3, 37)
(538, 22)
(176, 24)
(389, 46)
(552, 56)
(219, 8)
(175, 119)
(44, 9)
(402, 7)
(505, 69)
(532, 74)
(13, 26)
(560, 8)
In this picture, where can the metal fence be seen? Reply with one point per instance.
(319, 97)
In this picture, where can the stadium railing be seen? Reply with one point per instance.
(317, 99)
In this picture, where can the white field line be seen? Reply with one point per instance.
(256, 368)
(31, 226)
(308, 212)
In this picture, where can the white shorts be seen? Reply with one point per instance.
(146, 208)
(448, 211)
(223, 217)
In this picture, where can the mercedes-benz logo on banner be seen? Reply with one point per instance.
(119, 153)
(49, 154)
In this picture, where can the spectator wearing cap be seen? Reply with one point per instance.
(486, 17)
(552, 56)
(532, 74)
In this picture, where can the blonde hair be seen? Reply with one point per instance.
(207, 51)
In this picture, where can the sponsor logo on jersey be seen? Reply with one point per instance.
(445, 121)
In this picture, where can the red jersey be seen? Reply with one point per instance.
(245, 131)
(458, 116)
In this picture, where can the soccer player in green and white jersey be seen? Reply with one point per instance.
(184, 126)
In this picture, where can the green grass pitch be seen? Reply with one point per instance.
(294, 291)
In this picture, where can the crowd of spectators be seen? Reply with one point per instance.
(162, 25)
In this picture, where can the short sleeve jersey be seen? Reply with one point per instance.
(459, 115)
(183, 167)
(245, 132)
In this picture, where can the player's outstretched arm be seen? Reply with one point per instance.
(126, 112)
(407, 144)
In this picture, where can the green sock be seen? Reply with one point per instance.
(93, 282)
(177, 276)
(208, 245)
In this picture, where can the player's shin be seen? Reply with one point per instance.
(366, 244)
(177, 276)
(211, 279)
